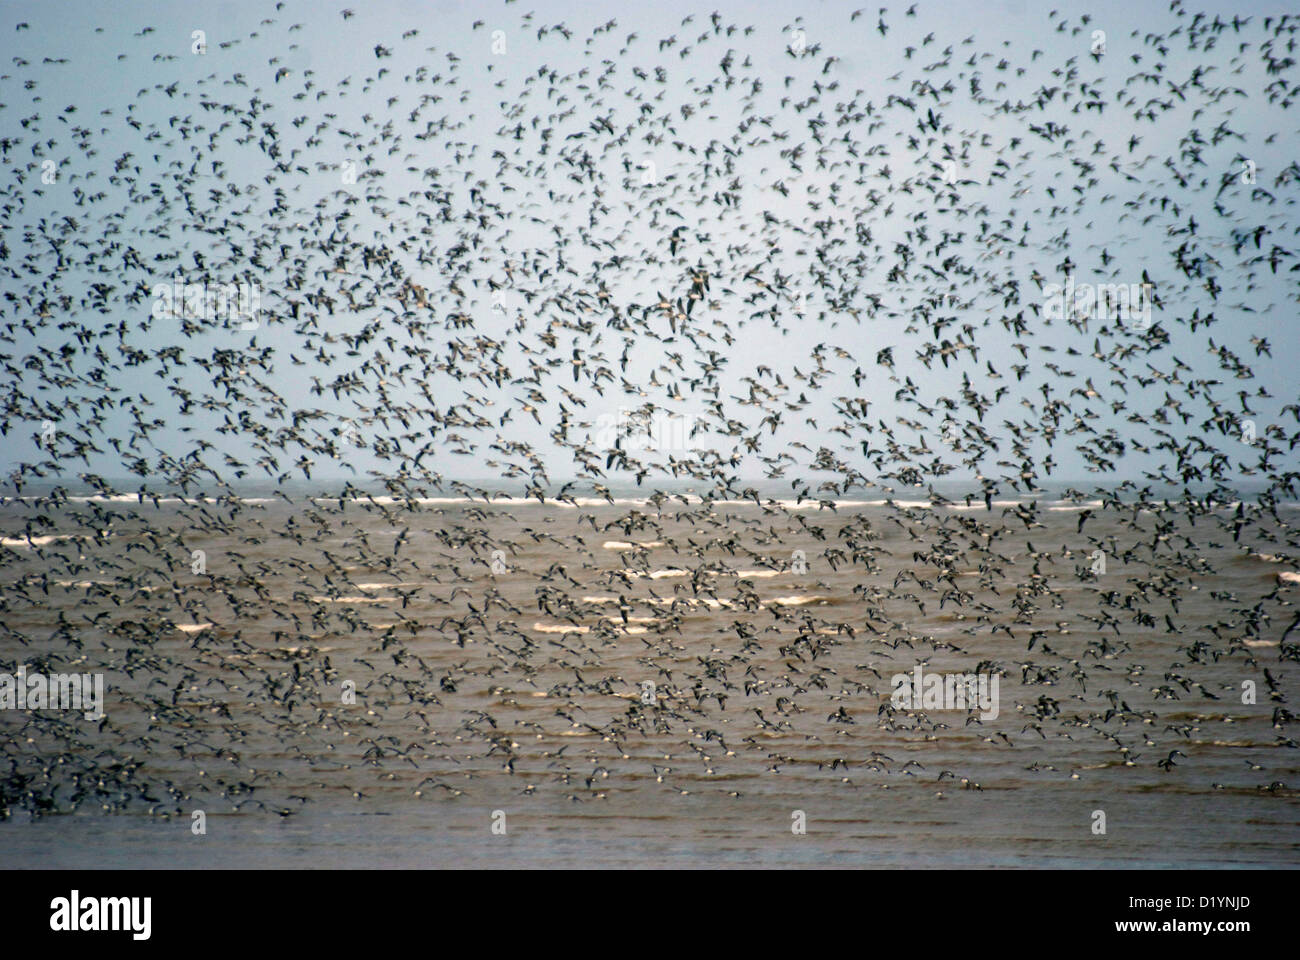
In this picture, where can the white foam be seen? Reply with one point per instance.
(355, 600)
(39, 541)
(658, 574)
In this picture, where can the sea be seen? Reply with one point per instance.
(690, 680)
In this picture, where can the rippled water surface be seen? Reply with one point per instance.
(520, 695)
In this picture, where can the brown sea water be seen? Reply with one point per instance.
(521, 692)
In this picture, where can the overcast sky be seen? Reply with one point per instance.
(480, 141)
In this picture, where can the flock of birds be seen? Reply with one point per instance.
(468, 267)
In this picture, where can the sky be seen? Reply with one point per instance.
(480, 156)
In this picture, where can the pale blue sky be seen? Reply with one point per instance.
(160, 79)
